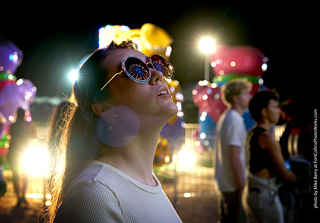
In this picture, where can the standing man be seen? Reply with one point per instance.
(229, 150)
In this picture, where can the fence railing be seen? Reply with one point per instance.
(191, 172)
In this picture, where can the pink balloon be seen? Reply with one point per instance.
(245, 60)
(208, 98)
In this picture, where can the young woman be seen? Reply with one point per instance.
(260, 198)
(110, 140)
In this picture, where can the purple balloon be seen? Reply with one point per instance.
(14, 96)
(10, 57)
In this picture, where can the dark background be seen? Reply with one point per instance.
(55, 36)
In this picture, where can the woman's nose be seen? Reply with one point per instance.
(155, 76)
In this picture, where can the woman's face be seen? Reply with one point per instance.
(143, 98)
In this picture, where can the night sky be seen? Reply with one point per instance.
(55, 38)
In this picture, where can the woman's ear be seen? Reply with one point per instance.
(100, 107)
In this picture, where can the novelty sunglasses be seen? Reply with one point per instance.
(139, 71)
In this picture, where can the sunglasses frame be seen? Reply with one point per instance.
(124, 69)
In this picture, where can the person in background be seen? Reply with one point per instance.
(109, 140)
(229, 151)
(265, 162)
(22, 132)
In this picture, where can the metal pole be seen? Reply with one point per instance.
(206, 67)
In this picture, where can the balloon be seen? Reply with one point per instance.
(244, 60)
(154, 40)
(207, 130)
(4, 83)
(256, 82)
(149, 39)
(221, 80)
(163, 153)
(14, 96)
(207, 97)
(10, 57)
(177, 97)
(229, 63)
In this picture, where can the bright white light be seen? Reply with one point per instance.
(203, 83)
(260, 81)
(11, 118)
(35, 161)
(214, 85)
(194, 92)
(207, 45)
(179, 106)
(205, 97)
(179, 96)
(168, 51)
(180, 114)
(203, 135)
(73, 75)
(186, 159)
(10, 76)
(264, 67)
(124, 28)
(19, 82)
(203, 116)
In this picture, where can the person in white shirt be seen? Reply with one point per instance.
(109, 140)
(229, 150)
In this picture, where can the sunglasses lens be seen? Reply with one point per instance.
(162, 65)
(136, 69)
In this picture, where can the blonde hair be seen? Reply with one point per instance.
(234, 88)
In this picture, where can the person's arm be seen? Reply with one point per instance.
(267, 141)
(237, 167)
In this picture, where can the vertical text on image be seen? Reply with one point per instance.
(315, 159)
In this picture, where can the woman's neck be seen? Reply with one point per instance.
(136, 158)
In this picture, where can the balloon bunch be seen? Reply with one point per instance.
(239, 62)
(228, 63)
(13, 94)
(149, 38)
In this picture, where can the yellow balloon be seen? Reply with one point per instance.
(177, 96)
(149, 39)
(154, 40)
(163, 154)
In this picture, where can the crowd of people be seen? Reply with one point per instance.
(252, 169)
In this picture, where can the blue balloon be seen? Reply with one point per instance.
(248, 121)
